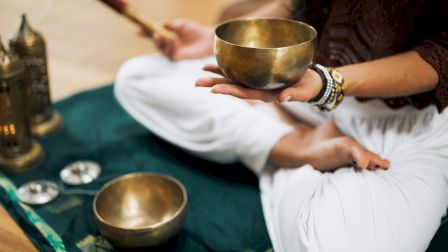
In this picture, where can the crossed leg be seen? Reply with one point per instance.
(306, 210)
(161, 95)
(348, 210)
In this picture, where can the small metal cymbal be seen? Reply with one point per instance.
(80, 172)
(38, 192)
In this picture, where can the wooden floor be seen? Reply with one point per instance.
(87, 42)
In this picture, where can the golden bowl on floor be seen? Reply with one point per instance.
(264, 53)
(140, 209)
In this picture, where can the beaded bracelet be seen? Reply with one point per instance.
(321, 71)
(341, 86)
(333, 88)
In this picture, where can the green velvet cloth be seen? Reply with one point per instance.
(224, 211)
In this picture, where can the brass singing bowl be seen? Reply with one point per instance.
(140, 209)
(264, 53)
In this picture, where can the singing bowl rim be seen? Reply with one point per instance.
(217, 37)
(154, 226)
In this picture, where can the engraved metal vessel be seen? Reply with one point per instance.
(30, 46)
(264, 53)
(140, 209)
(18, 151)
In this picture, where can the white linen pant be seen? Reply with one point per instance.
(305, 210)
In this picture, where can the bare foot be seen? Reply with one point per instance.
(325, 148)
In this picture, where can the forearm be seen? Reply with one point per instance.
(399, 75)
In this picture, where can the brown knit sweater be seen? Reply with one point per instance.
(354, 31)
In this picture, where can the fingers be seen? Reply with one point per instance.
(364, 159)
(295, 93)
(146, 34)
(222, 85)
(289, 94)
(304, 90)
(170, 47)
(376, 162)
(213, 68)
(211, 81)
(244, 93)
(158, 41)
(176, 25)
(360, 158)
(254, 102)
(141, 33)
(165, 44)
(168, 44)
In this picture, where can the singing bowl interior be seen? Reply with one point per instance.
(140, 209)
(264, 53)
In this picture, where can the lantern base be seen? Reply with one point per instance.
(48, 127)
(24, 162)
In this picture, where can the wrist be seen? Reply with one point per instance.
(333, 88)
(327, 88)
(349, 86)
(320, 85)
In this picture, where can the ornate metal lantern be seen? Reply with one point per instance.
(30, 46)
(18, 151)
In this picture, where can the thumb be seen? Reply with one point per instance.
(293, 94)
(175, 25)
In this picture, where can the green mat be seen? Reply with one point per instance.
(224, 211)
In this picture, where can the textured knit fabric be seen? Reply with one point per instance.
(353, 31)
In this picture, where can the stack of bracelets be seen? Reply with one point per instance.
(333, 87)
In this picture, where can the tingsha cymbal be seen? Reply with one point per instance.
(38, 192)
(80, 172)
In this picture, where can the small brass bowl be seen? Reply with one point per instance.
(264, 53)
(140, 209)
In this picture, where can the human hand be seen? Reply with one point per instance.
(324, 147)
(189, 40)
(304, 90)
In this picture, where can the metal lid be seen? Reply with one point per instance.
(9, 64)
(80, 172)
(38, 192)
(26, 37)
